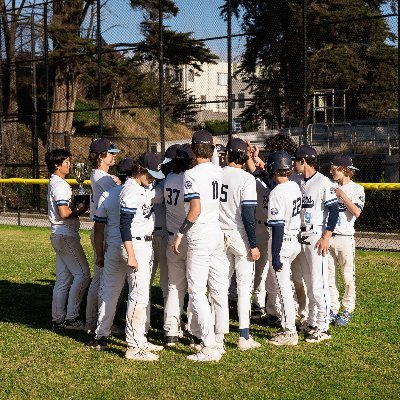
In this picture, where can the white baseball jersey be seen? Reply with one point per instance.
(356, 193)
(59, 194)
(263, 192)
(100, 181)
(284, 207)
(318, 193)
(238, 189)
(137, 200)
(204, 182)
(108, 212)
(174, 203)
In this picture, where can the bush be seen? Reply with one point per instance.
(216, 127)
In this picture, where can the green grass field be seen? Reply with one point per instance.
(360, 362)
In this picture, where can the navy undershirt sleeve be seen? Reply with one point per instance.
(125, 223)
(276, 245)
(249, 222)
(333, 216)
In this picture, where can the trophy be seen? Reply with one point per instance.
(81, 173)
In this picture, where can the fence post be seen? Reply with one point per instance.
(18, 208)
(161, 73)
(229, 51)
(2, 146)
(305, 88)
(46, 68)
(99, 68)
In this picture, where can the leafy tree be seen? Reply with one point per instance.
(359, 56)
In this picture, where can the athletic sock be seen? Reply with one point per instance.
(244, 333)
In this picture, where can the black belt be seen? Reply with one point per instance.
(147, 238)
(306, 228)
(158, 228)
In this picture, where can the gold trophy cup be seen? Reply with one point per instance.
(81, 171)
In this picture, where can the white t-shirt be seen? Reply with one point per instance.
(60, 194)
(108, 212)
(204, 182)
(137, 200)
(318, 193)
(356, 193)
(238, 189)
(284, 207)
(174, 203)
(100, 181)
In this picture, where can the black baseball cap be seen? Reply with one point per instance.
(103, 144)
(125, 165)
(152, 162)
(236, 144)
(185, 152)
(170, 153)
(202, 137)
(305, 151)
(220, 148)
(343, 160)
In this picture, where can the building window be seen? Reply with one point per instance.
(203, 98)
(190, 76)
(222, 78)
(192, 99)
(222, 106)
(233, 97)
(241, 102)
(178, 75)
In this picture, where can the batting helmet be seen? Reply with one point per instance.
(279, 160)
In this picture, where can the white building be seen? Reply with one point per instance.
(210, 88)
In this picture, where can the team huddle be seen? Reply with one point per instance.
(222, 224)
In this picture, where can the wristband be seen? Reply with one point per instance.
(180, 235)
(184, 229)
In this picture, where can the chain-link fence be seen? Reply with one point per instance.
(323, 73)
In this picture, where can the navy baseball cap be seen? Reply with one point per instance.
(305, 151)
(220, 148)
(103, 144)
(125, 165)
(185, 152)
(343, 160)
(170, 153)
(152, 162)
(202, 137)
(236, 144)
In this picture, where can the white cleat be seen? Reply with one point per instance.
(317, 336)
(247, 344)
(152, 347)
(206, 354)
(134, 353)
(285, 339)
(221, 347)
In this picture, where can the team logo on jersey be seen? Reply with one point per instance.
(274, 211)
(342, 207)
(332, 190)
(307, 202)
(188, 184)
(147, 211)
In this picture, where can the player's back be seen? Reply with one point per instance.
(108, 212)
(263, 192)
(238, 189)
(285, 207)
(204, 182)
(175, 206)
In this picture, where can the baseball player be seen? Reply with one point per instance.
(319, 215)
(284, 223)
(207, 268)
(351, 197)
(237, 217)
(102, 156)
(175, 216)
(137, 226)
(111, 257)
(72, 269)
